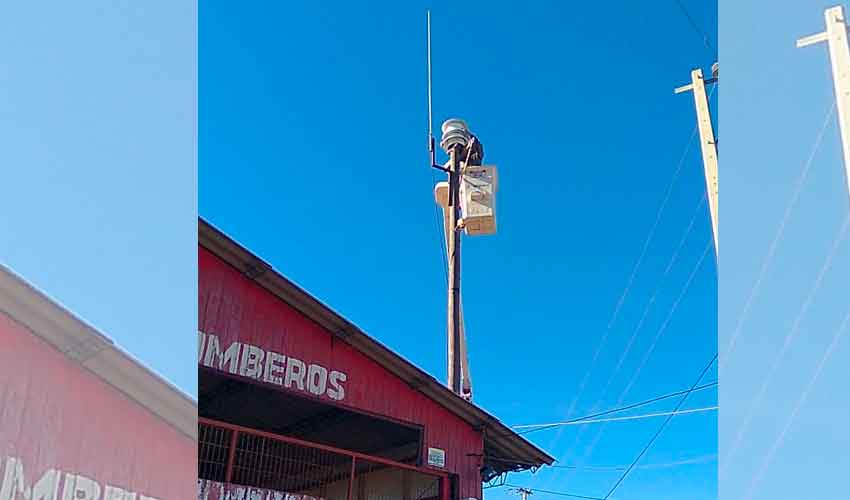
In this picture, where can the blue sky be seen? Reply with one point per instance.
(312, 152)
(780, 97)
(98, 204)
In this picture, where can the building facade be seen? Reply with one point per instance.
(296, 401)
(79, 418)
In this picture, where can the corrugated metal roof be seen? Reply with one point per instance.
(509, 451)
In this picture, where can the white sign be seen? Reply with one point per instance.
(13, 485)
(437, 457)
(268, 366)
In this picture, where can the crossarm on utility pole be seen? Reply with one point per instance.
(839, 55)
(812, 39)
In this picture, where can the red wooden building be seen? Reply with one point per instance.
(295, 400)
(79, 418)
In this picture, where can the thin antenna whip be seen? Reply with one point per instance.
(430, 122)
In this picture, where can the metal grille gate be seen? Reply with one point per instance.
(265, 465)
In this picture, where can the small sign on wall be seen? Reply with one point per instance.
(437, 457)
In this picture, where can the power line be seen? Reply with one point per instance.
(630, 406)
(625, 418)
(768, 259)
(659, 333)
(695, 460)
(839, 333)
(789, 337)
(667, 195)
(686, 461)
(440, 239)
(660, 429)
(649, 237)
(697, 212)
(549, 492)
(697, 29)
(661, 330)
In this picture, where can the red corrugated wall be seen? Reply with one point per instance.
(235, 309)
(56, 415)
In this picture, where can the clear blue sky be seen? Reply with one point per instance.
(312, 152)
(97, 149)
(779, 97)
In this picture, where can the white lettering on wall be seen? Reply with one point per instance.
(80, 488)
(217, 359)
(317, 379)
(252, 361)
(272, 367)
(295, 373)
(48, 487)
(202, 338)
(337, 391)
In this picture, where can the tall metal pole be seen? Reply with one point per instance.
(708, 144)
(839, 55)
(454, 321)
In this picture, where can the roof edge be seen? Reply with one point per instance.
(242, 259)
(84, 345)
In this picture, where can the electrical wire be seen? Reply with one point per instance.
(658, 335)
(649, 237)
(627, 407)
(586, 377)
(549, 492)
(660, 430)
(621, 419)
(441, 241)
(651, 301)
(789, 338)
(839, 333)
(697, 29)
(664, 465)
(661, 330)
(771, 251)
(696, 460)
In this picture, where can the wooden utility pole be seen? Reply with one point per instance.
(441, 196)
(839, 55)
(708, 143)
(524, 493)
(456, 138)
(468, 202)
(454, 269)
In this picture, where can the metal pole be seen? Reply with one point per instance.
(454, 321)
(231, 456)
(708, 144)
(350, 494)
(839, 55)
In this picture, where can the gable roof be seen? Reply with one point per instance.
(504, 449)
(93, 351)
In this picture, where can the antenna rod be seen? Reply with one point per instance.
(431, 149)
